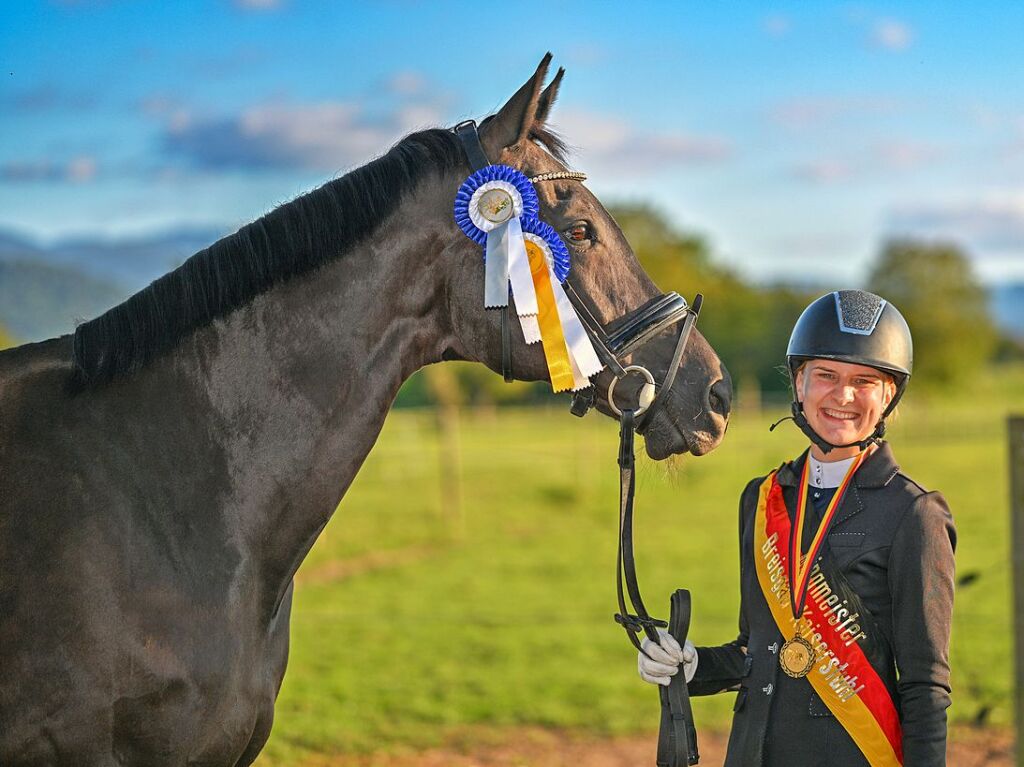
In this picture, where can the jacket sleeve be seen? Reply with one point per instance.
(921, 586)
(721, 668)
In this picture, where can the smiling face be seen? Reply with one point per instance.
(843, 402)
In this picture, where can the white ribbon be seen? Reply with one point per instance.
(581, 350)
(519, 273)
(496, 267)
(531, 328)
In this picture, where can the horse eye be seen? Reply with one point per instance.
(578, 232)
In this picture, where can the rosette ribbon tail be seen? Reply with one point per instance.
(496, 266)
(586, 363)
(556, 353)
(519, 272)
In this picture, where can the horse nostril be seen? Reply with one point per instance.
(719, 397)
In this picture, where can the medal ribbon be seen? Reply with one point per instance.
(841, 675)
(800, 566)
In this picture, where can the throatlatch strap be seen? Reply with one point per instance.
(506, 346)
(470, 138)
(467, 133)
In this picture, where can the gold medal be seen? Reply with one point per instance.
(797, 657)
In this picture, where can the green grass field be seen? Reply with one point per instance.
(412, 623)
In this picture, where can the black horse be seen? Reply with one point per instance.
(165, 470)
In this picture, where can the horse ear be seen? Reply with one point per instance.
(513, 121)
(547, 98)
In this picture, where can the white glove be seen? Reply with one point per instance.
(665, 658)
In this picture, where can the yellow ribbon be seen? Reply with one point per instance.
(553, 339)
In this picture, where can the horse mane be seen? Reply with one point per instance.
(292, 239)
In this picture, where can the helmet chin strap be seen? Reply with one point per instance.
(827, 447)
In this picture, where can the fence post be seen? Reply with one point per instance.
(1016, 435)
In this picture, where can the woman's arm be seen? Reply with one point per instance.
(721, 668)
(921, 585)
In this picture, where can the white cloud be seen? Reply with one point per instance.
(812, 113)
(326, 136)
(883, 159)
(413, 117)
(77, 170)
(892, 35)
(258, 5)
(81, 169)
(406, 83)
(824, 171)
(614, 144)
(991, 225)
(907, 155)
(776, 25)
(586, 55)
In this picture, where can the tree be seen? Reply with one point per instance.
(748, 326)
(933, 285)
(6, 339)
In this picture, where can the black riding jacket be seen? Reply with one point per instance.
(894, 543)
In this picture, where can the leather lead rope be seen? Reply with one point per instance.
(625, 569)
(677, 737)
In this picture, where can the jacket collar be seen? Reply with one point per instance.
(878, 469)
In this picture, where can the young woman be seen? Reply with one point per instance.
(846, 571)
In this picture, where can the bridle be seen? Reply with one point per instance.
(677, 744)
(622, 337)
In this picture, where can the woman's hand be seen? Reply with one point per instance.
(665, 658)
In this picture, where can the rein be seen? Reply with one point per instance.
(677, 739)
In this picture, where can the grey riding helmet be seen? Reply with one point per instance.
(857, 327)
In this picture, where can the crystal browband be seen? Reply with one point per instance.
(575, 175)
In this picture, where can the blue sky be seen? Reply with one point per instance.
(795, 136)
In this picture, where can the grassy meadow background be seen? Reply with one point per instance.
(416, 625)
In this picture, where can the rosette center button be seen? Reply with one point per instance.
(496, 206)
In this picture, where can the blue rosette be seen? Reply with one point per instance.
(508, 178)
(559, 253)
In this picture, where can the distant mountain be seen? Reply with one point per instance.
(11, 243)
(132, 262)
(39, 301)
(1007, 304)
(43, 288)
(46, 289)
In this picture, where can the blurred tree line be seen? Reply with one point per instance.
(749, 324)
(6, 339)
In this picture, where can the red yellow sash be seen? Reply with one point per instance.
(842, 676)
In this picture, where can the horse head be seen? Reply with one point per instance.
(604, 272)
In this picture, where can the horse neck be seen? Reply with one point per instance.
(303, 378)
